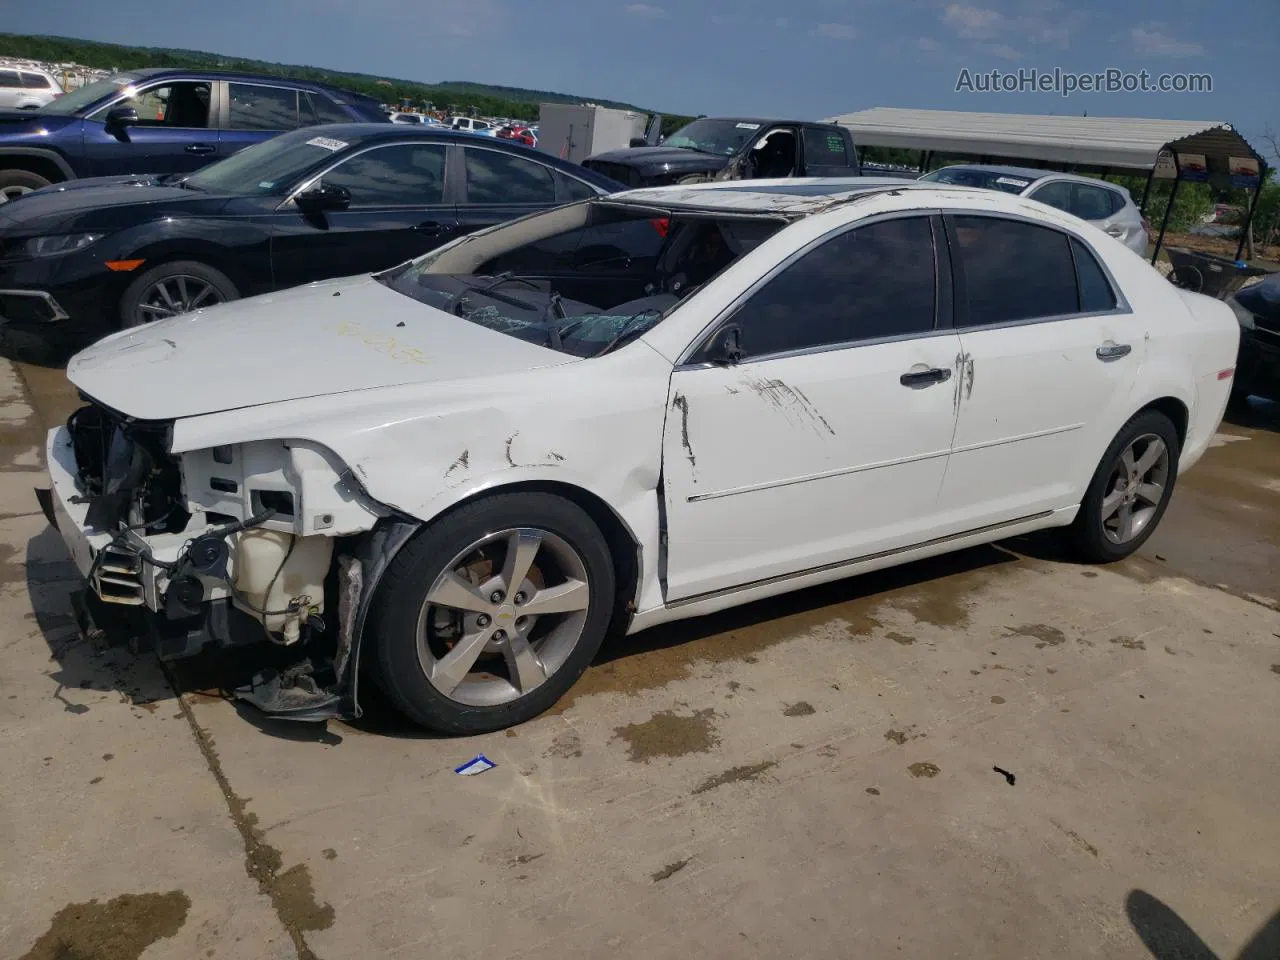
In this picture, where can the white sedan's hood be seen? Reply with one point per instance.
(325, 338)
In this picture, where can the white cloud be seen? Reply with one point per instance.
(1002, 50)
(646, 11)
(973, 23)
(1155, 40)
(928, 44)
(835, 31)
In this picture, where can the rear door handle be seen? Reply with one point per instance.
(1113, 351)
(201, 148)
(924, 378)
(1115, 231)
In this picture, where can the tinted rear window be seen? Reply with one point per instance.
(9, 78)
(1014, 271)
(825, 147)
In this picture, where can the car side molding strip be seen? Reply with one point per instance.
(866, 558)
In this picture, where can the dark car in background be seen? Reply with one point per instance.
(81, 259)
(1257, 308)
(734, 149)
(161, 121)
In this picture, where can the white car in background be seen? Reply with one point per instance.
(772, 384)
(1108, 206)
(469, 125)
(27, 88)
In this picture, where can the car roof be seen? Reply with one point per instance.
(768, 121)
(365, 133)
(793, 196)
(150, 73)
(1029, 173)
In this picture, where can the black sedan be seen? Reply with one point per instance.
(80, 259)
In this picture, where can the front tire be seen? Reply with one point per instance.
(174, 288)
(1130, 490)
(488, 616)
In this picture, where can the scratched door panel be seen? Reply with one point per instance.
(783, 464)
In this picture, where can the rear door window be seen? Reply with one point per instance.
(497, 177)
(35, 81)
(258, 107)
(1096, 294)
(325, 110)
(1012, 271)
(1092, 203)
(10, 78)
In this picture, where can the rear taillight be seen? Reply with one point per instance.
(662, 225)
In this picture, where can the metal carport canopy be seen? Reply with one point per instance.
(1114, 142)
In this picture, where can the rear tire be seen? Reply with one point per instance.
(14, 183)
(1128, 495)
(172, 289)
(422, 634)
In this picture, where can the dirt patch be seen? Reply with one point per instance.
(329, 853)
(918, 770)
(119, 929)
(1275, 667)
(1078, 840)
(997, 700)
(801, 709)
(873, 791)
(565, 746)
(667, 734)
(670, 870)
(734, 775)
(901, 638)
(1129, 643)
(1043, 634)
(896, 736)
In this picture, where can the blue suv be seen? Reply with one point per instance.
(161, 121)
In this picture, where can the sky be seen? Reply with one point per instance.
(806, 59)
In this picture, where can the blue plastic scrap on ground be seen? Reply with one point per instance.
(477, 764)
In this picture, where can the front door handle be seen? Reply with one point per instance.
(432, 229)
(200, 148)
(1113, 351)
(924, 378)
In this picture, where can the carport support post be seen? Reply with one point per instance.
(1253, 208)
(1173, 194)
(1146, 191)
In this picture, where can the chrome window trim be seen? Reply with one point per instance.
(684, 363)
(289, 201)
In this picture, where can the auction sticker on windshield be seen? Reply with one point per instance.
(328, 143)
(748, 126)
(1012, 181)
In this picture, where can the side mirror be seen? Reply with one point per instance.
(725, 348)
(119, 119)
(325, 196)
(639, 142)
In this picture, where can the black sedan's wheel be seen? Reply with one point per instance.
(14, 183)
(1130, 490)
(487, 617)
(174, 288)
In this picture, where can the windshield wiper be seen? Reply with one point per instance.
(488, 290)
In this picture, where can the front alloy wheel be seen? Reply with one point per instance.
(489, 614)
(173, 295)
(503, 615)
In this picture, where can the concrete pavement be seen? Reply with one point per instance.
(814, 775)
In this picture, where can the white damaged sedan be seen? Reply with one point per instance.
(462, 473)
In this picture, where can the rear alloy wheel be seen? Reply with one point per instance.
(15, 183)
(172, 289)
(1130, 489)
(487, 617)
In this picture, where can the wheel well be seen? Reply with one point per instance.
(38, 165)
(623, 548)
(1176, 411)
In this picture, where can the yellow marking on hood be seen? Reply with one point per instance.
(383, 343)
